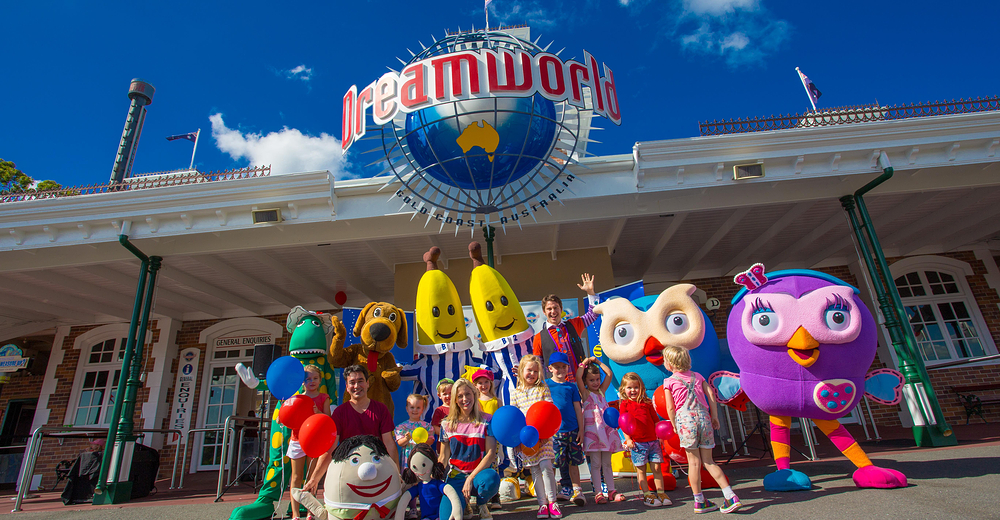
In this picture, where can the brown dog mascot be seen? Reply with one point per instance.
(380, 326)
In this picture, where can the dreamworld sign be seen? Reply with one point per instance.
(480, 127)
(475, 75)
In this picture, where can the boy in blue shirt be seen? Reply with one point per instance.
(567, 442)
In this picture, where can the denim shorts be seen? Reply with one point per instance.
(644, 452)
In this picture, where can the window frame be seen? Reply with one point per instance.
(85, 343)
(958, 270)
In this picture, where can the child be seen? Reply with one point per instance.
(415, 405)
(483, 379)
(567, 443)
(642, 442)
(321, 404)
(530, 390)
(692, 409)
(488, 403)
(444, 394)
(468, 447)
(599, 439)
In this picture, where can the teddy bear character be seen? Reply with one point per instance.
(426, 476)
(380, 326)
(362, 483)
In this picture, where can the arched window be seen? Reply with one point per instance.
(941, 311)
(96, 383)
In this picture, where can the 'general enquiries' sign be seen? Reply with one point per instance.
(187, 376)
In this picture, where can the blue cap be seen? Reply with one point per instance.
(558, 357)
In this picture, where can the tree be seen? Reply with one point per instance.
(13, 180)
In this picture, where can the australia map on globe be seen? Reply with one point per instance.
(481, 134)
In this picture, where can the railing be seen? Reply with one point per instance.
(35, 447)
(228, 426)
(142, 182)
(849, 115)
(184, 458)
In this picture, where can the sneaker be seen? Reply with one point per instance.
(650, 500)
(600, 499)
(554, 511)
(704, 507)
(578, 498)
(468, 510)
(728, 506)
(543, 512)
(615, 496)
(564, 494)
(495, 503)
(664, 499)
(484, 512)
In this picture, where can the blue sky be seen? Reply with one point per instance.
(264, 81)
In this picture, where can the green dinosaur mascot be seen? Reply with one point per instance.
(311, 333)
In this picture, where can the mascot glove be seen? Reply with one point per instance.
(248, 378)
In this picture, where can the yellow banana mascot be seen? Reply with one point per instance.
(505, 332)
(443, 347)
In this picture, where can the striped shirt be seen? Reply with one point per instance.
(523, 398)
(431, 368)
(467, 442)
(503, 355)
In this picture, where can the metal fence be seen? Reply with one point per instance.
(142, 182)
(848, 115)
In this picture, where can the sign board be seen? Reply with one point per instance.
(479, 127)
(187, 377)
(243, 341)
(11, 359)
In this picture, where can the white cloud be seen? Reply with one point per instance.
(741, 32)
(301, 73)
(736, 41)
(718, 7)
(287, 150)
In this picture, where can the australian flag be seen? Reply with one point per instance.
(189, 136)
(811, 88)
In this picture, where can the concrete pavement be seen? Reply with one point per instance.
(957, 482)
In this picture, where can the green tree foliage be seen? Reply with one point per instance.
(13, 180)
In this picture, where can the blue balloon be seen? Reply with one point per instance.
(507, 423)
(285, 377)
(611, 417)
(529, 436)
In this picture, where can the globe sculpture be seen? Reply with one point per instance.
(487, 158)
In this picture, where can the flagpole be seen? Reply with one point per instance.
(487, 9)
(196, 135)
(806, 87)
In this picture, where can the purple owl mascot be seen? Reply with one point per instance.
(803, 341)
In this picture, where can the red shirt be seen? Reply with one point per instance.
(375, 420)
(439, 414)
(644, 417)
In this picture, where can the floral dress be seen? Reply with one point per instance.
(597, 435)
(523, 398)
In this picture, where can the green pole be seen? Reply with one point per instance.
(135, 371)
(113, 422)
(930, 429)
(489, 232)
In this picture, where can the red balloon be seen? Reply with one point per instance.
(317, 435)
(340, 297)
(669, 482)
(675, 453)
(707, 480)
(660, 402)
(295, 410)
(626, 424)
(545, 417)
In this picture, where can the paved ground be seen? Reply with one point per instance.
(955, 482)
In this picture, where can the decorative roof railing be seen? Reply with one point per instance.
(142, 182)
(848, 115)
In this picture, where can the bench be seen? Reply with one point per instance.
(972, 402)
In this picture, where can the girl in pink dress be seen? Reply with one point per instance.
(599, 439)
